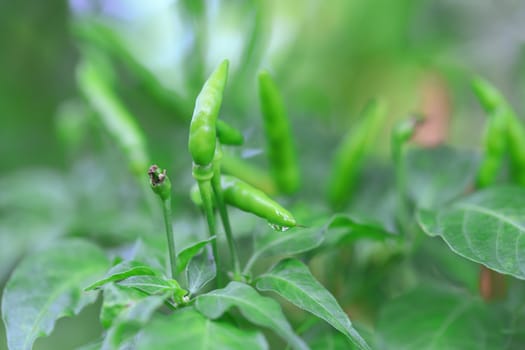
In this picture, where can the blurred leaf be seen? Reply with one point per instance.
(123, 270)
(434, 261)
(188, 329)
(117, 299)
(185, 255)
(330, 341)
(200, 270)
(35, 207)
(292, 280)
(429, 318)
(152, 285)
(485, 227)
(345, 229)
(512, 313)
(130, 320)
(294, 241)
(46, 286)
(438, 175)
(257, 309)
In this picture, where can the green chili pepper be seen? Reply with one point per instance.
(350, 155)
(493, 101)
(114, 116)
(203, 132)
(516, 142)
(247, 198)
(228, 135)
(281, 152)
(494, 147)
(489, 97)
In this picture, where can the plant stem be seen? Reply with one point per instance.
(223, 212)
(250, 263)
(166, 210)
(400, 174)
(206, 191)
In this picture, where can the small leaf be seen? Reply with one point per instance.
(188, 329)
(430, 318)
(200, 270)
(151, 285)
(486, 227)
(257, 309)
(185, 255)
(293, 281)
(438, 175)
(122, 271)
(47, 286)
(131, 320)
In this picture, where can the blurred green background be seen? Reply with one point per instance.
(328, 57)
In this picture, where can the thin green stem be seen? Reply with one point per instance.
(401, 182)
(206, 191)
(223, 212)
(250, 263)
(166, 210)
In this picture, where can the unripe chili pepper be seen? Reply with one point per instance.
(247, 198)
(489, 97)
(114, 116)
(203, 132)
(493, 101)
(228, 135)
(516, 143)
(494, 148)
(281, 151)
(349, 157)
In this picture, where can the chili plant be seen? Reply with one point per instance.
(366, 253)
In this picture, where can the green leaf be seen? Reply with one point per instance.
(430, 318)
(188, 329)
(200, 270)
(434, 261)
(257, 309)
(486, 227)
(292, 280)
(438, 175)
(185, 255)
(294, 241)
(131, 320)
(152, 285)
(513, 315)
(123, 270)
(344, 229)
(329, 341)
(117, 299)
(46, 286)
